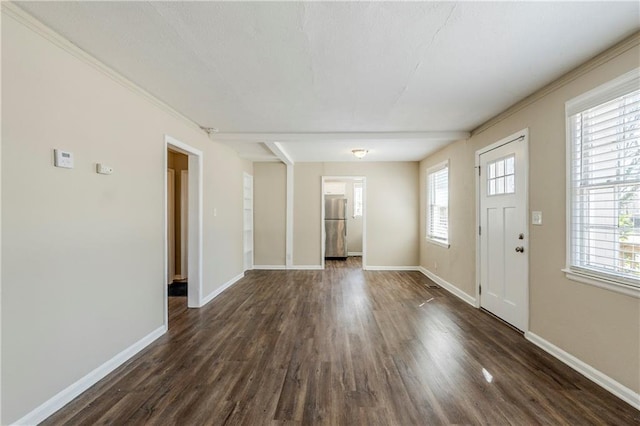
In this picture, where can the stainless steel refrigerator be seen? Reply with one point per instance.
(335, 227)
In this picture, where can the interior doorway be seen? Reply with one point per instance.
(177, 223)
(343, 218)
(503, 250)
(183, 221)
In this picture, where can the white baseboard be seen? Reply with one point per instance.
(304, 267)
(179, 277)
(220, 289)
(288, 268)
(354, 253)
(269, 267)
(65, 396)
(391, 268)
(448, 286)
(598, 377)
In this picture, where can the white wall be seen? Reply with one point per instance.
(83, 255)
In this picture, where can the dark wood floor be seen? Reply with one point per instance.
(342, 347)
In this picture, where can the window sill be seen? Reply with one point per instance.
(602, 283)
(438, 243)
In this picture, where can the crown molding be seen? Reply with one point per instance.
(324, 136)
(11, 10)
(601, 58)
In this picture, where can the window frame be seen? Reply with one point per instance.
(613, 89)
(431, 171)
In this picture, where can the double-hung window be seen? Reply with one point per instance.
(438, 204)
(603, 188)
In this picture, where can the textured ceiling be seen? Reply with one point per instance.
(275, 68)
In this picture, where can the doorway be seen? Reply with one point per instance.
(503, 249)
(177, 223)
(343, 218)
(187, 253)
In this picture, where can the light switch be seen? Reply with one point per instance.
(536, 218)
(63, 159)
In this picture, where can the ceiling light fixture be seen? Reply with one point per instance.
(359, 152)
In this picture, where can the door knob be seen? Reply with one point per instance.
(520, 249)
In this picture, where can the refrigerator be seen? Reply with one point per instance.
(335, 227)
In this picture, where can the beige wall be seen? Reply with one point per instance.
(600, 327)
(83, 255)
(391, 209)
(269, 208)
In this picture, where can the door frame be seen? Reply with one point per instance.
(194, 224)
(171, 220)
(184, 224)
(363, 179)
(524, 134)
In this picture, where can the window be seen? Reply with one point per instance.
(501, 178)
(603, 149)
(357, 199)
(438, 204)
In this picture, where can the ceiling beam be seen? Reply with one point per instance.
(324, 136)
(279, 152)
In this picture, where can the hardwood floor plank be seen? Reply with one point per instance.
(341, 346)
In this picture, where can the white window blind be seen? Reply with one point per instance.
(357, 199)
(438, 203)
(604, 143)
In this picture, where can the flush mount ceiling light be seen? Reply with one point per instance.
(359, 152)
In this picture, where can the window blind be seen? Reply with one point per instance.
(438, 209)
(357, 199)
(605, 190)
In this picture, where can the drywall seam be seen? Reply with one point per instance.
(65, 396)
(596, 376)
(448, 286)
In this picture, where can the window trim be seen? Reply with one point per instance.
(615, 88)
(433, 169)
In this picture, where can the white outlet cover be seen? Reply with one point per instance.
(536, 218)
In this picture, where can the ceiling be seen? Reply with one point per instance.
(318, 79)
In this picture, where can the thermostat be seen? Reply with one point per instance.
(63, 159)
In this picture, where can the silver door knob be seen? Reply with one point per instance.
(520, 249)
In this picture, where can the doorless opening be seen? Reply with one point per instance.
(343, 218)
(192, 204)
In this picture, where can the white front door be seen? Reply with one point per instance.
(503, 230)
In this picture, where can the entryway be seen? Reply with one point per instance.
(343, 218)
(503, 247)
(183, 215)
(177, 221)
